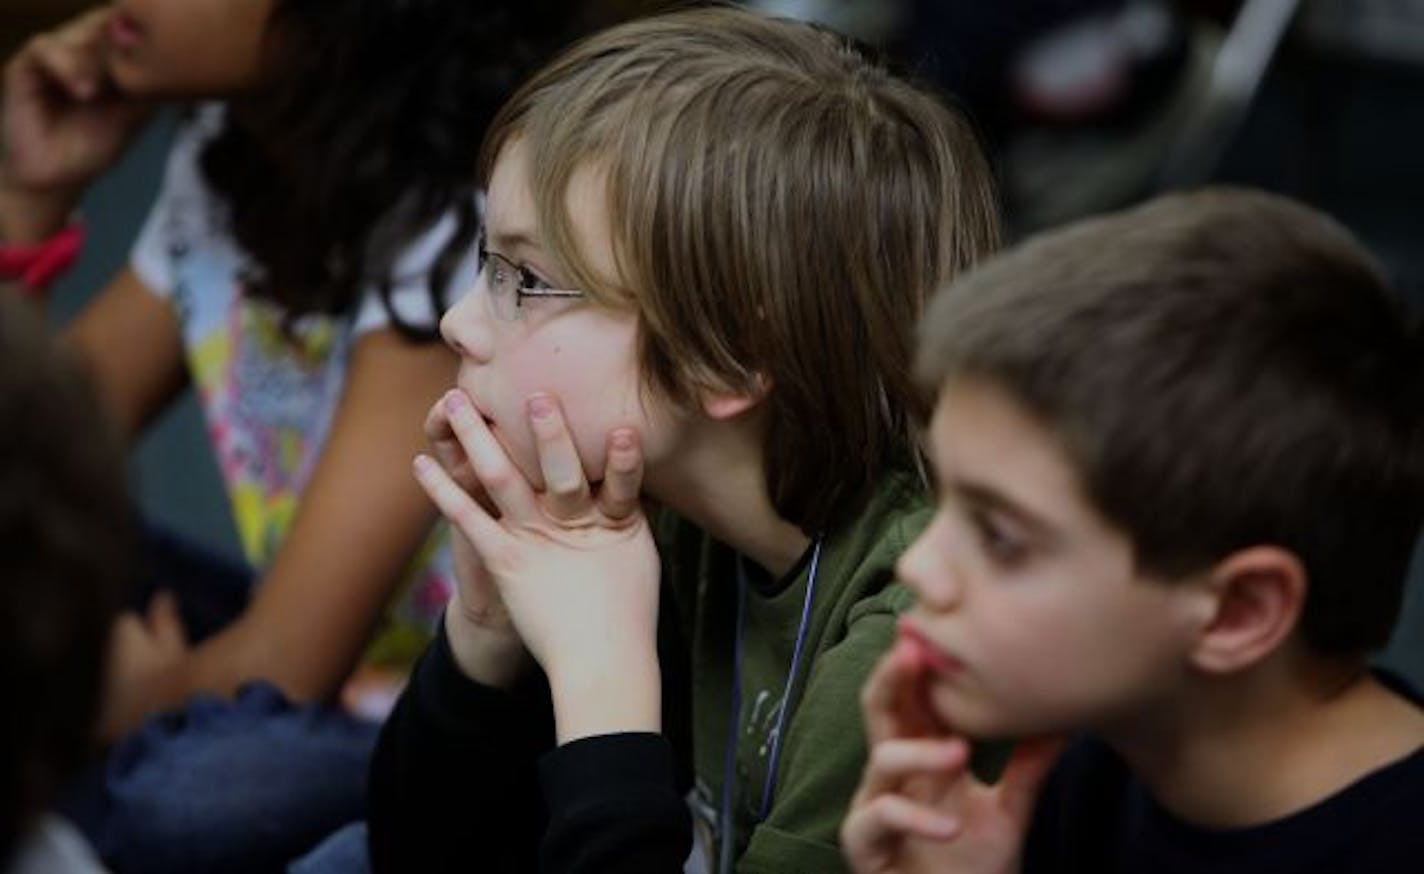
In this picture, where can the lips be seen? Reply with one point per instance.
(125, 31)
(931, 656)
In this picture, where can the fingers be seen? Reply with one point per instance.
(874, 826)
(619, 496)
(565, 486)
(455, 504)
(894, 762)
(445, 446)
(891, 698)
(441, 436)
(488, 461)
(877, 698)
(70, 58)
(165, 622)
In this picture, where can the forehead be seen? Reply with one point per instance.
(510, 215)
(513, 220)
(981, 436)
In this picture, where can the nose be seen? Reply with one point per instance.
(928, 568)
(466, 326)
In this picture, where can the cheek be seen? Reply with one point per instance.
(1071, 666)
(596, 389)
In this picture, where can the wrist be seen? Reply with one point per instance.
(490, 657)
(617, 694)
(28, 216)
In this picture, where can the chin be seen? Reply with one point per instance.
(977, 716)
(134, 79)
(129, 76)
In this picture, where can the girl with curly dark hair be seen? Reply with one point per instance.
(316, 216)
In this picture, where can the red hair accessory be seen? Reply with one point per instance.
(36, 266)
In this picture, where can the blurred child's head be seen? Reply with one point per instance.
(354, 128)
(1170, 442)
(216, 49)
(760, 210)
(64, 527)
(188, 48)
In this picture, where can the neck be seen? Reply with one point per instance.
(1246, 750)
(720, 484)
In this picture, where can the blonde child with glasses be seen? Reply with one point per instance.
(707, 239)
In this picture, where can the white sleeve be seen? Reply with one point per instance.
(410, 288)
(183, 202)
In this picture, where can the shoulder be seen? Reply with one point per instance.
(887, 521)
(862, 548)
(1390, 802)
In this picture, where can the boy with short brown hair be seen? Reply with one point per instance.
(1180, 473)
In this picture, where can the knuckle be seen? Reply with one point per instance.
(566, 486)
(496, 479)
(502, 558)
(882, 758)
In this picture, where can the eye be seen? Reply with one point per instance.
(529, 281)
(1001, 543)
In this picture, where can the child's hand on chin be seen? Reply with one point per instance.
(918, 807)
(575, 567)
(63, 125)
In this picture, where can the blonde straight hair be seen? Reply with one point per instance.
(780, 207)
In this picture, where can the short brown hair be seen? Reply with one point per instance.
(64, 555)
(781, 207)
(1224, 368)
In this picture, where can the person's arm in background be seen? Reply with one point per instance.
(360, 522)
(361, 519)
(63, 126)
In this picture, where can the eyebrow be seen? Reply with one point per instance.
(507, 240)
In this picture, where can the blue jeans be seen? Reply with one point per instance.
(343, 853)
(242, 785)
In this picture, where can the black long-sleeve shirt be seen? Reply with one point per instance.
(458, 774)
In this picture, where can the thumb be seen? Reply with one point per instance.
(1028, 767)
(165, 621)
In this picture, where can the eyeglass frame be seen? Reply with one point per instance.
(528, 284)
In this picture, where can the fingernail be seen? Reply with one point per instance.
(421, 463)
(945, 826)
(622, 440)
(454, 401)
(540, 406)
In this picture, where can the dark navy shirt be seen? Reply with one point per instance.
(1095, 816)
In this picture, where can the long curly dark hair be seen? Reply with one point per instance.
(365, 134)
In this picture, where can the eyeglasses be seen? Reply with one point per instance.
(509, 284)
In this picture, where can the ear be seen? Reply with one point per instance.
(728, 403)
(1257, 596)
